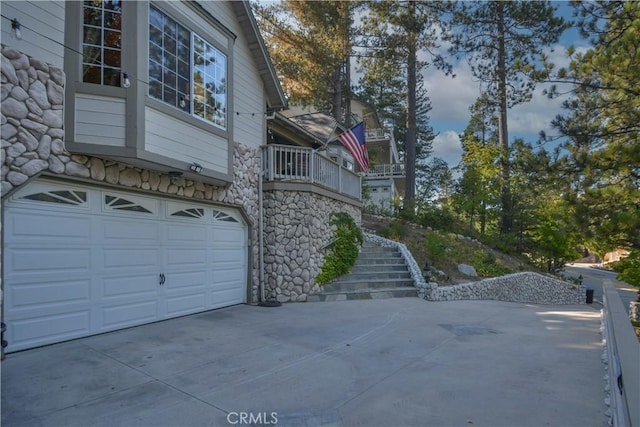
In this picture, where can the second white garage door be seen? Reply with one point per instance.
(80, 260)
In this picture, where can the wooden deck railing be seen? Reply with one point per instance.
(391, 170)
(288, 163)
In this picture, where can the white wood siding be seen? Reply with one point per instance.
(100, 120)
(248, 88)
(41, 21)
(175, 139)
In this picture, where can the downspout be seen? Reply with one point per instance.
(261, 229)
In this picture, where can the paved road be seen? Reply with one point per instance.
(593, 277)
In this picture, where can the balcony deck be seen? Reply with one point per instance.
(285, 163)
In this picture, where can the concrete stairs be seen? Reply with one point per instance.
(379, 272)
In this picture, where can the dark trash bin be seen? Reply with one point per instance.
(589, 296)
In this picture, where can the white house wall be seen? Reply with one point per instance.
(100, 120)
(42, 28)
(173, 138)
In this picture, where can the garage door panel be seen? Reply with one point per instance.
(225, 297)
(118, 231)
(186, 279)
(229, 255)
(196, 257)
(139, 258)
(224, 235)
(30, 261)
(130, 285)
(43, 295)
(49, 226)
(134, 313)
(186, 234)
(229, 275)
(184, 304)
(40, 330)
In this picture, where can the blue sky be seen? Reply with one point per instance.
(451, 98)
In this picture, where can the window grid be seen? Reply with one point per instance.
(101, 42)
(182, 63)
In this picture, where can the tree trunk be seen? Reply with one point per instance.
(503, 136)
(410, 143)
(336, 102)
(346, 14)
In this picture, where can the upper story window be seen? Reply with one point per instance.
(185, 71)
(102, 42)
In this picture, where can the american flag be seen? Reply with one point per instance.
(355, 141)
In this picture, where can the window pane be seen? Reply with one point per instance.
(112, 58)
(113, 5)
(155, 89)
(169, 79)
(170, 61)
(155, 53)
(92, 55)
(91, 74)
(92, 36)
(170, 96)
(113, 20)
(92, 16)
(112, 39)
(155, 70)
(169, 44)
(111, 76)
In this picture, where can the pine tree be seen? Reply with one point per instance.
(503, 43)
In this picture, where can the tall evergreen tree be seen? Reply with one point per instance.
(503, 43)
(310, 43)
(602, 125)
(396, 32)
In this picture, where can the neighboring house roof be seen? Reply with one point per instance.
(275, 95)
(321, 125)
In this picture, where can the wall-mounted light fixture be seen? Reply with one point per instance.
(174, 176)
(15, 29)
(195, 167)
(126, 83)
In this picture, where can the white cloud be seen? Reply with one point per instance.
(447, 146)
(451, 97)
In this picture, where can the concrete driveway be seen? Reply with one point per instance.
(394, 362)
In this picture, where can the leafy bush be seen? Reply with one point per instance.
(629, 268)
(436, 246)
(395, 231)
(343, 250)
(439, 218)
(488, 265)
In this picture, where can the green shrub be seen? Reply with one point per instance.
(487, 265)
(343, 250)
(395, 231)
(436, 246)
(628, 268)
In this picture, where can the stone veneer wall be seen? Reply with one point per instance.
(523, 287)
(296, 230)
(33, 142)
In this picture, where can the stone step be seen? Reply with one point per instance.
(355, 284)
(374, 275)
(375, 268)
(379, 260)
(368, 255)
(379, 293)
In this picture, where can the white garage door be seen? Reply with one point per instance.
(80, 261)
